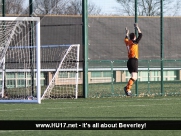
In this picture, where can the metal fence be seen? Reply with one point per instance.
(108, 78)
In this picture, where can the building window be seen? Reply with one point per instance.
(96, 74)
(21, 75)
(101, 74)
(155, 75)
(106, 74)
(21, 83)
(10, 75)
(21, 79)
(10, 84)
(68, 74)
(10, 80)
(63, 75)
(72, 75)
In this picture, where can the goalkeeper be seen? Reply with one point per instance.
(132, 63)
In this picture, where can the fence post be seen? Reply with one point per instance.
(136, 20)
(3, 8)
(85, 47)
(148, 76)
(161, 44)
(112, 78)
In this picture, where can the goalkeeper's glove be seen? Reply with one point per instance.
(127, 31)
(136, 25)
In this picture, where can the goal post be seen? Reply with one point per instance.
(20, 60)
(65, 80)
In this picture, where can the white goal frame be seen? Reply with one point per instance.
(38, 60)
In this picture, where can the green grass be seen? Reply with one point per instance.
(158, 108)
(124, 108)
(91, 133)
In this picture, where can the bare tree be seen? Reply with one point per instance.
(75, 8)
(50, 6)
(14, 6)
(93, 9)
(175, 8)
(68, 7)
(148, 7)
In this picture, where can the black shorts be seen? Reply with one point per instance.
(132, 65)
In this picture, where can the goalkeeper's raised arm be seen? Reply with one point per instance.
(137, 27)
(139, 33)
(127, 31)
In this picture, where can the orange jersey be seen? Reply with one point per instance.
(132, 46)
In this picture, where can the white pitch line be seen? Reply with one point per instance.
(164, 99)
(87, 107)
(10, 131)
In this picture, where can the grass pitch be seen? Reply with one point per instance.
(157, 108)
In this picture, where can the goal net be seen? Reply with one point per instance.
(20, 59)
(64, 82)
